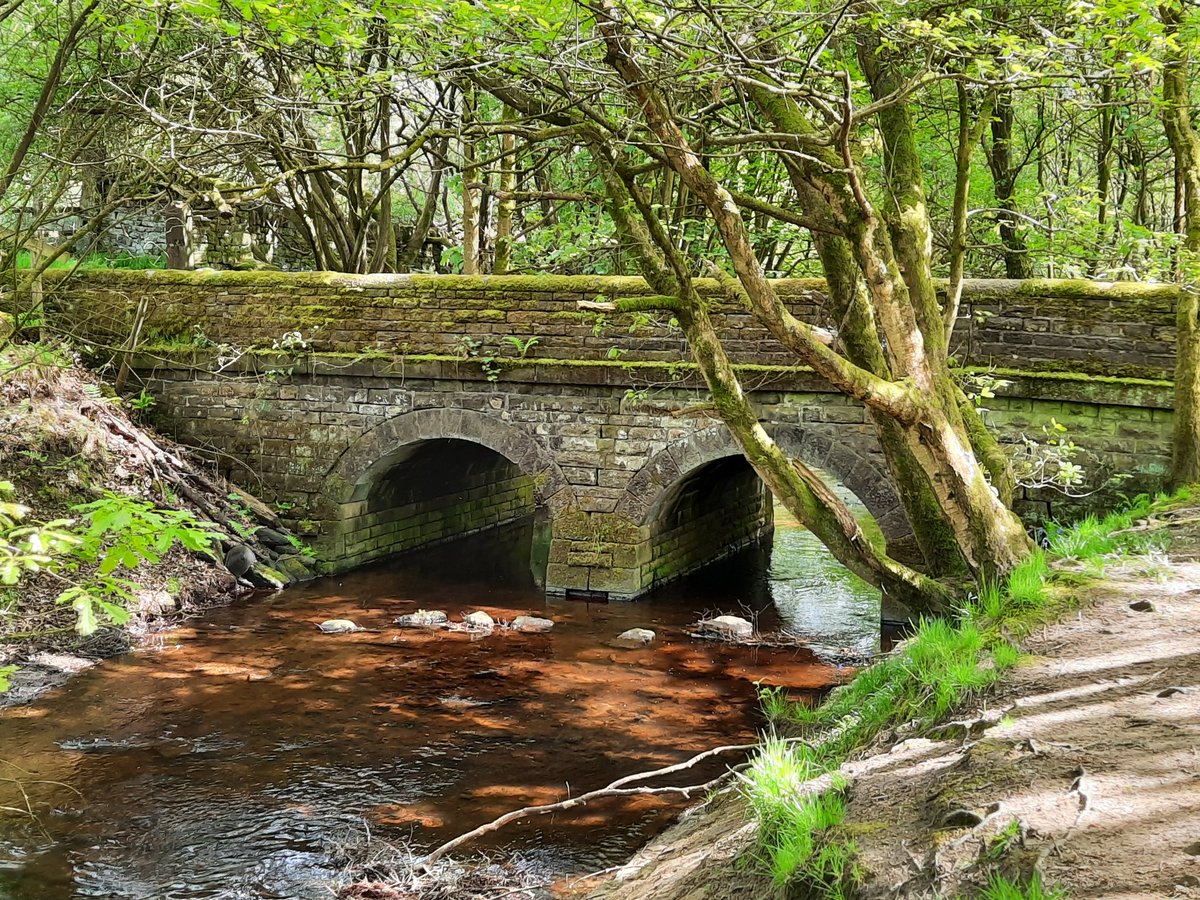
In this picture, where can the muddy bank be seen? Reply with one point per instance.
(66, 441)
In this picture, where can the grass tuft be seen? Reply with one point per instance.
(1000, 888)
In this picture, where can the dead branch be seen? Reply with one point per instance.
(615, 789)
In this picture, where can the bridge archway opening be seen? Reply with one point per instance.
(431, 491)
(710, 513)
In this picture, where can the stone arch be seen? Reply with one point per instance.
(375, 452)
(866, 478)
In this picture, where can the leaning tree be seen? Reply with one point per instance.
(695, 90)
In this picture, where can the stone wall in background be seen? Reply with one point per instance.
(1124, 329)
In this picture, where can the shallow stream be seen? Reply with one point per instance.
(226, 757)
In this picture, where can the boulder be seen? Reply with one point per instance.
(479, 619)
(635, 637)
(339, 626)
(531, 625)
(293, 566)
(423, 618)
(240, 560)
(276, 540)
(729, 627)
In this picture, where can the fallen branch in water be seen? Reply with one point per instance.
(615, 789)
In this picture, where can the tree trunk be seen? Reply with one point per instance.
(470, 176)
(412, 250)
(1004, 177)
(1185, 144)
(922, 398)
(507, 203)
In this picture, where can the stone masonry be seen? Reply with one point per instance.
(390, 412)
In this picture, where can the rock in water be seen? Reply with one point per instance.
(479, 619)
(730, 627)
(339, 626)
(531, 625)
(240, 559)
(636, 636)
(423, 618)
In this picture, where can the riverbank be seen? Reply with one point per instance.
(66, 441)
(1079, 770)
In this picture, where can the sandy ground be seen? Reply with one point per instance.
(1082, 767)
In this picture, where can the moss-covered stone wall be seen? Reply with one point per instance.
(1113, 329)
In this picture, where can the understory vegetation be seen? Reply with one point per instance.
(944, 664)
(75, 527)
(101, 529)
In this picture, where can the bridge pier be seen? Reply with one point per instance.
(708, 515)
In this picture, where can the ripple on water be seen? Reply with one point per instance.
(224, 768)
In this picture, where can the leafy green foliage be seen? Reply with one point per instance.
(113, 533)
(28, 548)
(122, 531)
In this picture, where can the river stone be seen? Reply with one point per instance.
(272, 538)
(636, 636)
(423, 618)
(293, 567)
(338, 626)
(264, 577)
(731, 627)
(479, 619)
(531, 625)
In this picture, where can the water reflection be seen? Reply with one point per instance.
(220, 764)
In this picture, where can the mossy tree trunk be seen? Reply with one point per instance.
(506, 204)
(1185, 144)
(470, 193)
(889, 252)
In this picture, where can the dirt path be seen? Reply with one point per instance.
(1090, 774)
(1084, 766)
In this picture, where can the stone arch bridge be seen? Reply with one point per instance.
(396, 412)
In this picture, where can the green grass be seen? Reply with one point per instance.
(1093, 540)
(795, 827)
(1000, 888)
(775, 704)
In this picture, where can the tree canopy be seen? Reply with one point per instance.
(893, 148)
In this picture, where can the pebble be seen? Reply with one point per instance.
(637, 636)
(479, 619)
(338, 626)
(531, 625)
(423, 618)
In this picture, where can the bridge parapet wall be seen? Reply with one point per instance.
(1112, 329)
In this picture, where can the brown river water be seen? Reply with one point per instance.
(223, 759)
